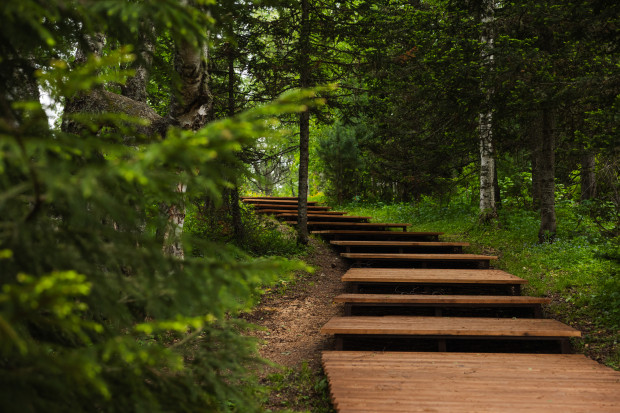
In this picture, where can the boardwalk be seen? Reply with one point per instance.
(430, 328)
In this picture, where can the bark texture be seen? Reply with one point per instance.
(100, 101)
(135, 87)
(547, 178)
(234, 193)
(588, 176)
(304, 126)
(487, 168)
(488, 208)
(191, 107)
(534, 132)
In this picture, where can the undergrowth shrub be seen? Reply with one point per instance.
(261, 235)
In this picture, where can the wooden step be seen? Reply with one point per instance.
(423, 278)
(292, 198)
(386, 382)
(439, 302)
(289, 208)
(290, 211)
(400, 243)
(348, 330)
(377, 235)
(482, 261)
(419, 257)
(327, 218)
(399, 246)
(353, 224)
(274, 201)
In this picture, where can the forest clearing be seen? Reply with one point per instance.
(208, 205)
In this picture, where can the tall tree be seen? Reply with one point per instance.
(488, 209)
(304, 125)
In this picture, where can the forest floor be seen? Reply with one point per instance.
(291, 318)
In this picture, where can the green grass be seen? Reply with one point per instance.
(580, 270)
(296, 390)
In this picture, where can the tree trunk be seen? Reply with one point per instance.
(487, 169)
(588, 177)
(535, 138)
(135, 86)
(488, 210)
(547, 178)
(304, 126)
(190, 109)
(234, 194)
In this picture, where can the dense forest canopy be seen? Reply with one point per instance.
(169, 109)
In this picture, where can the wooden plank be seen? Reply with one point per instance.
(288, 208)
(448, 327)
(402, 303)
(326, 217)
(269, 197)
(398, 243)
(418, 257)
(469, 382)
(372, 233)
(382, 234)
(275, 201)
(310, 212)
(354, 224)
(430, 276)
(440, 299)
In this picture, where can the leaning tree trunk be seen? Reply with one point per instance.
(547, 178)
(99, 100)
(304, 127)
(488, 210)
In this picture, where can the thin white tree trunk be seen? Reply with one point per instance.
(176, 219)
(488, 208)
(190, 110)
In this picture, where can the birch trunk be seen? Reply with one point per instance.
(488, 209)
(190, 109)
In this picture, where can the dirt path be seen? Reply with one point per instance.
(292, 319)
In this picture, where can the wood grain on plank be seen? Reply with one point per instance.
(439, 299)
(448, 326)
(469, 382)
(423, 275)
(326, 216)
(399, 243)
(417, 257)
(374, 233)
(275, 201)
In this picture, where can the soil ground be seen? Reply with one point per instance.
(291, 319)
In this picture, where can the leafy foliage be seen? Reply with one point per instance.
(93, 314)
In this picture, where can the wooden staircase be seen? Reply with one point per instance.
(428, 327)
